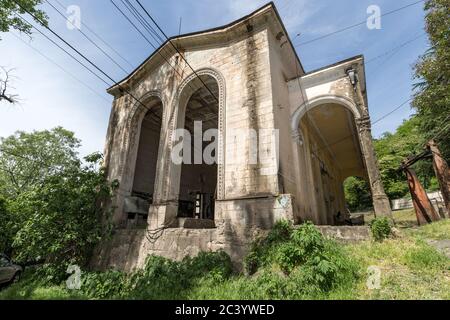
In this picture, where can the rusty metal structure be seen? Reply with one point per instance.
(442, 172)
(425, 211)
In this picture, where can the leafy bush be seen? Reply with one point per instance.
(63, 216)
(381, 228)
(281, 232)
(103, 285)
(313, 263)
(166, 279)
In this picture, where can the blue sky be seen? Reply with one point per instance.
(50, 97)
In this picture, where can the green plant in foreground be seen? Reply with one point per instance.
(381, 228)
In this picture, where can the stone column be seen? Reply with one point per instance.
(381, 202)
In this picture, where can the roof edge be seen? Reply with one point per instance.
(268, 5)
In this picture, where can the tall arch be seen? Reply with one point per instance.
(317, 101)
(188, 87)
(140, 163)
(327, 148)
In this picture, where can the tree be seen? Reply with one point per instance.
(357, 194)
(5, 86)
(9, 10)
(27, 159)
(52, 204)
(63, 219)
(392, 149)
(432, 71)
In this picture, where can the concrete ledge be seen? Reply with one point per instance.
(346, 233)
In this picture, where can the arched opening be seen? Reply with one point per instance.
(199, 177)
(143, 187)
(329, 151)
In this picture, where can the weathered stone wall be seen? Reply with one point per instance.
(239, 222)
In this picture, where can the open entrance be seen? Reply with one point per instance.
(137, 206)
(198, 182)
(330, 153)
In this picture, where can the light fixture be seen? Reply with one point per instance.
(353, 77)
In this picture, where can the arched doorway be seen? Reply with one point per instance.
(329, 150)
(199, 175)
(146, 163)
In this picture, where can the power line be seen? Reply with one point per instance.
(88, 38)
(142, 20)
(100, 38)
(82, 55)
(68, 53)
(160, 52)
(354, 25)
(373, 123)
(182, 57)
(395, 49)
(60, 67)
(391, 112)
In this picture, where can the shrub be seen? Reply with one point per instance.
(312, 264)
(261, 248)
(166, 279)
(381, 228)
(288, 256)
(103, 285)
(308, 238)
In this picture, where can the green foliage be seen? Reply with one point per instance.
(313, 263)
(62, 218)
(27, 160)
(103, 285)
(357, 194)
(55, 205)
(160, 278)
(432, 71)
(381, 228)
(391, 150)
(6, 230)
(281, 232)
(9, 9)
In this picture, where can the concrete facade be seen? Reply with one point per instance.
(247, 76)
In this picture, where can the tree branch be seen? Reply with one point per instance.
(6, 85)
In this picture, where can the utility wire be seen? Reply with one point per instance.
(354, 25)
(99, 37)
(83, 56)
(160, 52)
(68, 53)
(88, 38)
(142, 20)
(395, 49)
(375, 122)
(181, 55)
(60, 67)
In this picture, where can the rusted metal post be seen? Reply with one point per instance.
(425, 211)
(442, 172)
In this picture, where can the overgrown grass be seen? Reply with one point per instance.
(287, 264)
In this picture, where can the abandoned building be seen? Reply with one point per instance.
(245, 75)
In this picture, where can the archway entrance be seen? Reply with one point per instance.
(198, 179)
(329, 152)
(143, 187)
